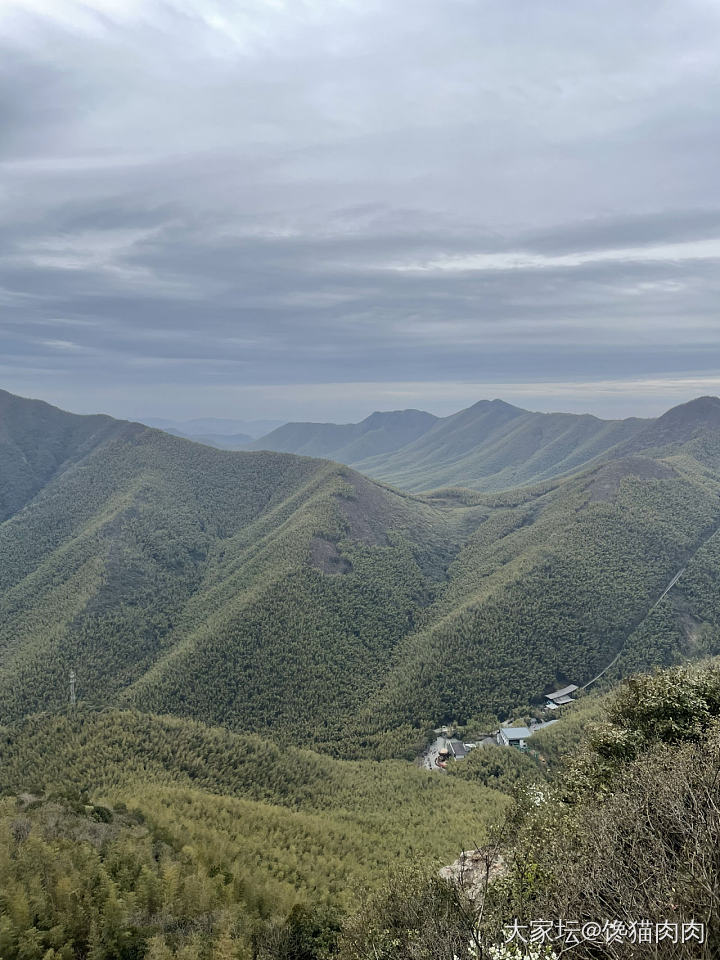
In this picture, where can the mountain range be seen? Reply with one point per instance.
(294, 597)
(491, 445)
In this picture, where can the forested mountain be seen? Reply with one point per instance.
(290, 603)
(38, 441)
(493, 446)
(262, 591)
(490, 446)
(279, 594)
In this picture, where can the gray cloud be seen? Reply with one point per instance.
(206, 203)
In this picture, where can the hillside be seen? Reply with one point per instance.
(692, 428)
(258, 590)
(294, 597)
(134, 758)
(124, 835)
(38, 441)
(628, 829)
(144, 827)
(489, 446)
(494, 446)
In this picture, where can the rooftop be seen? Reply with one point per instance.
(515, 733)
(571, 688)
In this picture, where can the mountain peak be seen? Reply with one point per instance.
(680, 424)
(703, 411)
(496, 404)
(379, 417)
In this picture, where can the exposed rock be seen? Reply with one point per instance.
(474, 869)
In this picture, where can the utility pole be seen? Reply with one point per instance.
(72, 688)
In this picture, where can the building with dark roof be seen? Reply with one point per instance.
(560, 697)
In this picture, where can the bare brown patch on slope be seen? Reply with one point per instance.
(325, 557)
(367, 511)
(606, 482)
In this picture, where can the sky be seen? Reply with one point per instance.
(313, 209)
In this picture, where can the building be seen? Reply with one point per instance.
(459, 750)
(514, 737)
(560, 697)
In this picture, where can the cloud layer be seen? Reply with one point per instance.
(306, 209)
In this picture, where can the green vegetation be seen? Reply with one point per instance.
(493, 446)
(36, 442)
(628, 835)
(498, 768)
(293, 597)
(547, 592)
(632, 830)
(138, 834)
(561, 741)
(225, 611)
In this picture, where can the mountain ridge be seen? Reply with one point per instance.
(297, 598)
(491, 445)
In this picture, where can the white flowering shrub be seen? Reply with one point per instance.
(509, 951)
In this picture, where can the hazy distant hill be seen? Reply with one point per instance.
(223, 441)
(214, 426)
(269, 592)
(489, 446)
(380, 433)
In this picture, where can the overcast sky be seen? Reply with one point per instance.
(311, 209)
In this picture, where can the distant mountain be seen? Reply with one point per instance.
(273, 593)
(214, 426)
(380, 433)
(489, 446)
(231, 441)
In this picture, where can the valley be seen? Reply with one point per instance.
(293, 597)
(264, 643)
